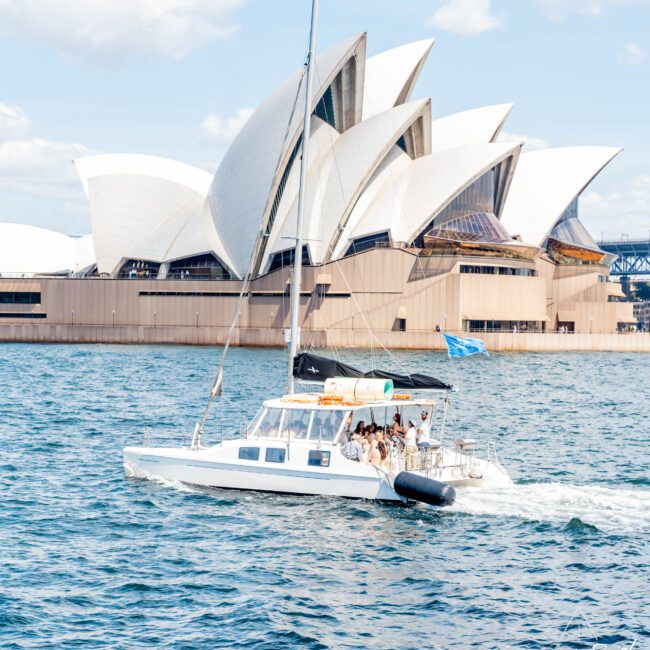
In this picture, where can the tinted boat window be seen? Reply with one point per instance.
(296, 424)
(275, 455)
(326, 425)
(319, 458)
(270, 425)
(249, 453)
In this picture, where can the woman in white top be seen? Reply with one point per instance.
(410, 441)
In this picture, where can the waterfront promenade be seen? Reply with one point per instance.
(270, 337)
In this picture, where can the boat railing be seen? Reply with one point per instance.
(492, 456)
(156, 438)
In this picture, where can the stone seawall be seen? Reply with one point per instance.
(270, 337)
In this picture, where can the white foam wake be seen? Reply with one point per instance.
(610, 510)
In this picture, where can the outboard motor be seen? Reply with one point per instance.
(419, 488)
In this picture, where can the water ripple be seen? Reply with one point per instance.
(91, 559)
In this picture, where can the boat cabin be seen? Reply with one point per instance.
(312, 417)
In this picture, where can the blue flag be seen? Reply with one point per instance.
(464, 347)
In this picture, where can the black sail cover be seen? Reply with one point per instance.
(311, 367)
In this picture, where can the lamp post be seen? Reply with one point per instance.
(113, 318)
(154, 317)
(197, 318)
(72, 316)
(591, 322)
(445, 323)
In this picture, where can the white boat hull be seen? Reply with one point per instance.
(218, 467)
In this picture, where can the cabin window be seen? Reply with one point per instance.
(318, 458)
(270, 426)
(296, 424)
(249, 453)
(275, 455)
(326, 425)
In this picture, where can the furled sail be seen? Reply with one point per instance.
(311, 367)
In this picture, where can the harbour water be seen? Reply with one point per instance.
(91, 559)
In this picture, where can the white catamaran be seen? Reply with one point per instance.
(304, 442)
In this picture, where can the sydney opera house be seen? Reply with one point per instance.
(412, 225)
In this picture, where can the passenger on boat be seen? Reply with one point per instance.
(384, 461)
(352, 449)
(360, 428)
(424, 431)
(374, 456)
(365, 445)
(411, 446)
(425, 441)
(397, 427)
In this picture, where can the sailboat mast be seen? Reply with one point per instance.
(297, 259)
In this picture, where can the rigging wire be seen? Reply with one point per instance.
(217, 386)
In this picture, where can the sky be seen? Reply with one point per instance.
(178, 78)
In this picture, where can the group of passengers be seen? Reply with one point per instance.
(381, 446)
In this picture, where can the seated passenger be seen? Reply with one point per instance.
(352, 449)
(360, 428)
(374, 455)
(383, 453)
(397, 427)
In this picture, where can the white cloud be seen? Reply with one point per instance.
(531, 143)
(13, 120)
(466, 17)
(621, 211)
(39, 185)
(40, 168)
(114, 30)
(226, 128)
(630, 54)
(560, 9)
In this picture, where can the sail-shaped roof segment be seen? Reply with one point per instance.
(323, 139)
(338, 180)
(546, 183)
(146, 207)
(390, 76)
(29, 250)
(251, 175)
(475, 126)
(408, 203)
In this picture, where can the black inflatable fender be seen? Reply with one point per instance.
(423, 489)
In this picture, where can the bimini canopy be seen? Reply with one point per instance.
(310, 367)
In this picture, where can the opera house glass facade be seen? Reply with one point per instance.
(413, 224)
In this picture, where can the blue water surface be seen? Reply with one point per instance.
(91, 559)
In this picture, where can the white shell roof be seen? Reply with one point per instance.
(409, 201)
(544, 185)
(475, 126)
(247, 178)
(391, 76)
(191, 177)
(29, 250)
(145, 207)
(339, 178)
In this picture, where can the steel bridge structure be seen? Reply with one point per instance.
(633, 256)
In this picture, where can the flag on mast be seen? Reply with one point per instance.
(464, 347)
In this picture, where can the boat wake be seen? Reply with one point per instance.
(609, 510)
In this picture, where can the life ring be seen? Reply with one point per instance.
(352, 402)
(401, 396)
(330, 400)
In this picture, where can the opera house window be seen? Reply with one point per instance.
(20, 297)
